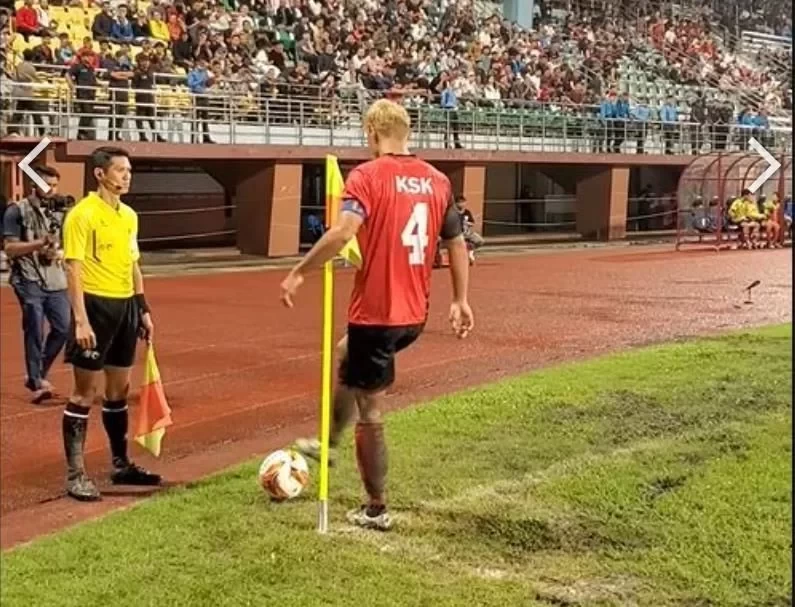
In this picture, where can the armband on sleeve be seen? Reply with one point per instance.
(351, 205)
(451, 224)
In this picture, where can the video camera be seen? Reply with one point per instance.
(59, 203)
(54, 209)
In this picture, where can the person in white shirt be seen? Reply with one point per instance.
(220, 21)
(245, 17)
(484, 37)
(43, 15)
(491, 92)
(418, 29)
(358, 60)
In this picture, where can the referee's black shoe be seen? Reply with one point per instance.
(128, 473)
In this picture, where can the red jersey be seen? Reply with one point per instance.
(403, 201)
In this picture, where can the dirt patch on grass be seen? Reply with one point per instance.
(617, 591)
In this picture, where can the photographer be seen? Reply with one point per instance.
(31, 231)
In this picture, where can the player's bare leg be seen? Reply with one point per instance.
(773, 231)
(371, 456)
(74, 428)
(343, 409)
(115, 419)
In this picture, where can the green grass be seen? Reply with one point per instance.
(651, 478)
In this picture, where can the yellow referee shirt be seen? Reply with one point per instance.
(105, 240)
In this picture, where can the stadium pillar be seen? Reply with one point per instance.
(519, 11)
(11, 177)
(602, 203)
(470, 180)
(268, 204)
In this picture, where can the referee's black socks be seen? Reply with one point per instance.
(115, 420)
(74, 427)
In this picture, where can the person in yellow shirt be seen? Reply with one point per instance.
(770, 209)
(744, 214)
(158, 28)
(109, 314)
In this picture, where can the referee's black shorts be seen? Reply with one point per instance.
(115, 324)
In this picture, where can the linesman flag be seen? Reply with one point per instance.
(335, 186)
(154, 414)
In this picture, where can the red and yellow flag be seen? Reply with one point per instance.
(154, 414)
(335, 185)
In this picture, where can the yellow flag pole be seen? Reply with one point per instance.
(325, 397)
(325, 394)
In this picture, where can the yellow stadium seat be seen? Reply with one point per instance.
(102, 92)
(76, 17)
(18, 44)
(63, 91)
(184, 100)
(172, 97)
(46, 92)
(77, 34)
(57, 13)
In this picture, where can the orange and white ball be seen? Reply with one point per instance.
(284, 474)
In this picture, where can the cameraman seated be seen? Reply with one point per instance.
(473, 239)
(702, 218)
(31, 231)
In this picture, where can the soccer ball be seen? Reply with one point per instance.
(284, 474)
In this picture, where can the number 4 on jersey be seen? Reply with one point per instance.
(415, 234)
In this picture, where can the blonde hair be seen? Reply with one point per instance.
(387, 119)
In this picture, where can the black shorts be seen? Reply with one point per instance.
(370, 363)
(115, 325)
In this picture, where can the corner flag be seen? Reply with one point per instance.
(335, 186)
(334, 189)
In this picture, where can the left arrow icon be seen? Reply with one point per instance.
(24, 165)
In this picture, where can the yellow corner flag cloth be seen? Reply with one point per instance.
(335, 185)
(154, 414)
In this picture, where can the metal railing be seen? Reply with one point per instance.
(181, 117)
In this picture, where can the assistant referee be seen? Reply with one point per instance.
(109, 314)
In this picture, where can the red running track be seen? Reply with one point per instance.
(242, 373)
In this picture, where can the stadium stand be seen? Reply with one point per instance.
(235, 60)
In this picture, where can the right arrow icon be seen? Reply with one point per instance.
(774, 165)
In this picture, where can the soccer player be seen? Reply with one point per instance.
(395, 205)
(744, 214)
(770, 210)
(109, 314)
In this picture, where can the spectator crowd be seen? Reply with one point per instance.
(419, 51)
